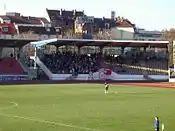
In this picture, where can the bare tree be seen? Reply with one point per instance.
(28, 32)
(103, 35)
(70, 34)
(67, 33)
(169, 35)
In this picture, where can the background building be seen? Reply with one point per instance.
(142, 34)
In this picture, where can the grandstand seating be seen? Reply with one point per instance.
(138, 64)
(72, 63)
(10, 66)
(82, 64)
(135, 70)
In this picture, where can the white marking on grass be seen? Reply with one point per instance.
(48, 122)
(14, 104)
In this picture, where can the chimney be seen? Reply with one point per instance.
(74, 12)
(61, 11)
(113, 15)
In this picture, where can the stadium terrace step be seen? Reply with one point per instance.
(140, 68)
(11, 66)
(147, 77)
(42, 66)
(1, 49)
(30, 72)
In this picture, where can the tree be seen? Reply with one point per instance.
(169, 35)
(70, 34)
(103, 35)
(28, 32)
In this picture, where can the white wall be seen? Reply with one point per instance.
(1, 20)
(122, 33)
(113, 77)
(172, 80)
(6, 52)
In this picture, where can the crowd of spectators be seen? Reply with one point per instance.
(72, 63)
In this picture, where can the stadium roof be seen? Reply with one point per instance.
(91, 42)
(82, 42)
(13, 43)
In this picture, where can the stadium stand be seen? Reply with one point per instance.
(72, 63)
(139, 63)
(69, 62)
(133, 62)
(10, 66)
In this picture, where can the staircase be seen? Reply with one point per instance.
(72, 77)
(30, 71)
(42, 66)
(1, 50)
(145, 72)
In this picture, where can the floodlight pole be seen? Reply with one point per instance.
(35, 55)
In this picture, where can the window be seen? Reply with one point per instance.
(7, 21)
(5, 29)
(52, 18)
(58, 14)
(107, 25)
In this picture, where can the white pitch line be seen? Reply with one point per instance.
(48, 122)
(9, 107)
(40, 120)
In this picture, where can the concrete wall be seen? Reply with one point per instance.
(116, 77)
(6, 52)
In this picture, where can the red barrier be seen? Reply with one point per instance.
(136, 83)
(69, 82)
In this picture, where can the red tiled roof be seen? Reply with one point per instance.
(4, 17)
(18, 20)
(125, 24)
(32, 20)
(25, 20)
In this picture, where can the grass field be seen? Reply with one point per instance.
(84, 107)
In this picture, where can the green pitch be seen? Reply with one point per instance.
(84, 107)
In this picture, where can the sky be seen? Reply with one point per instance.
(148, 14)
